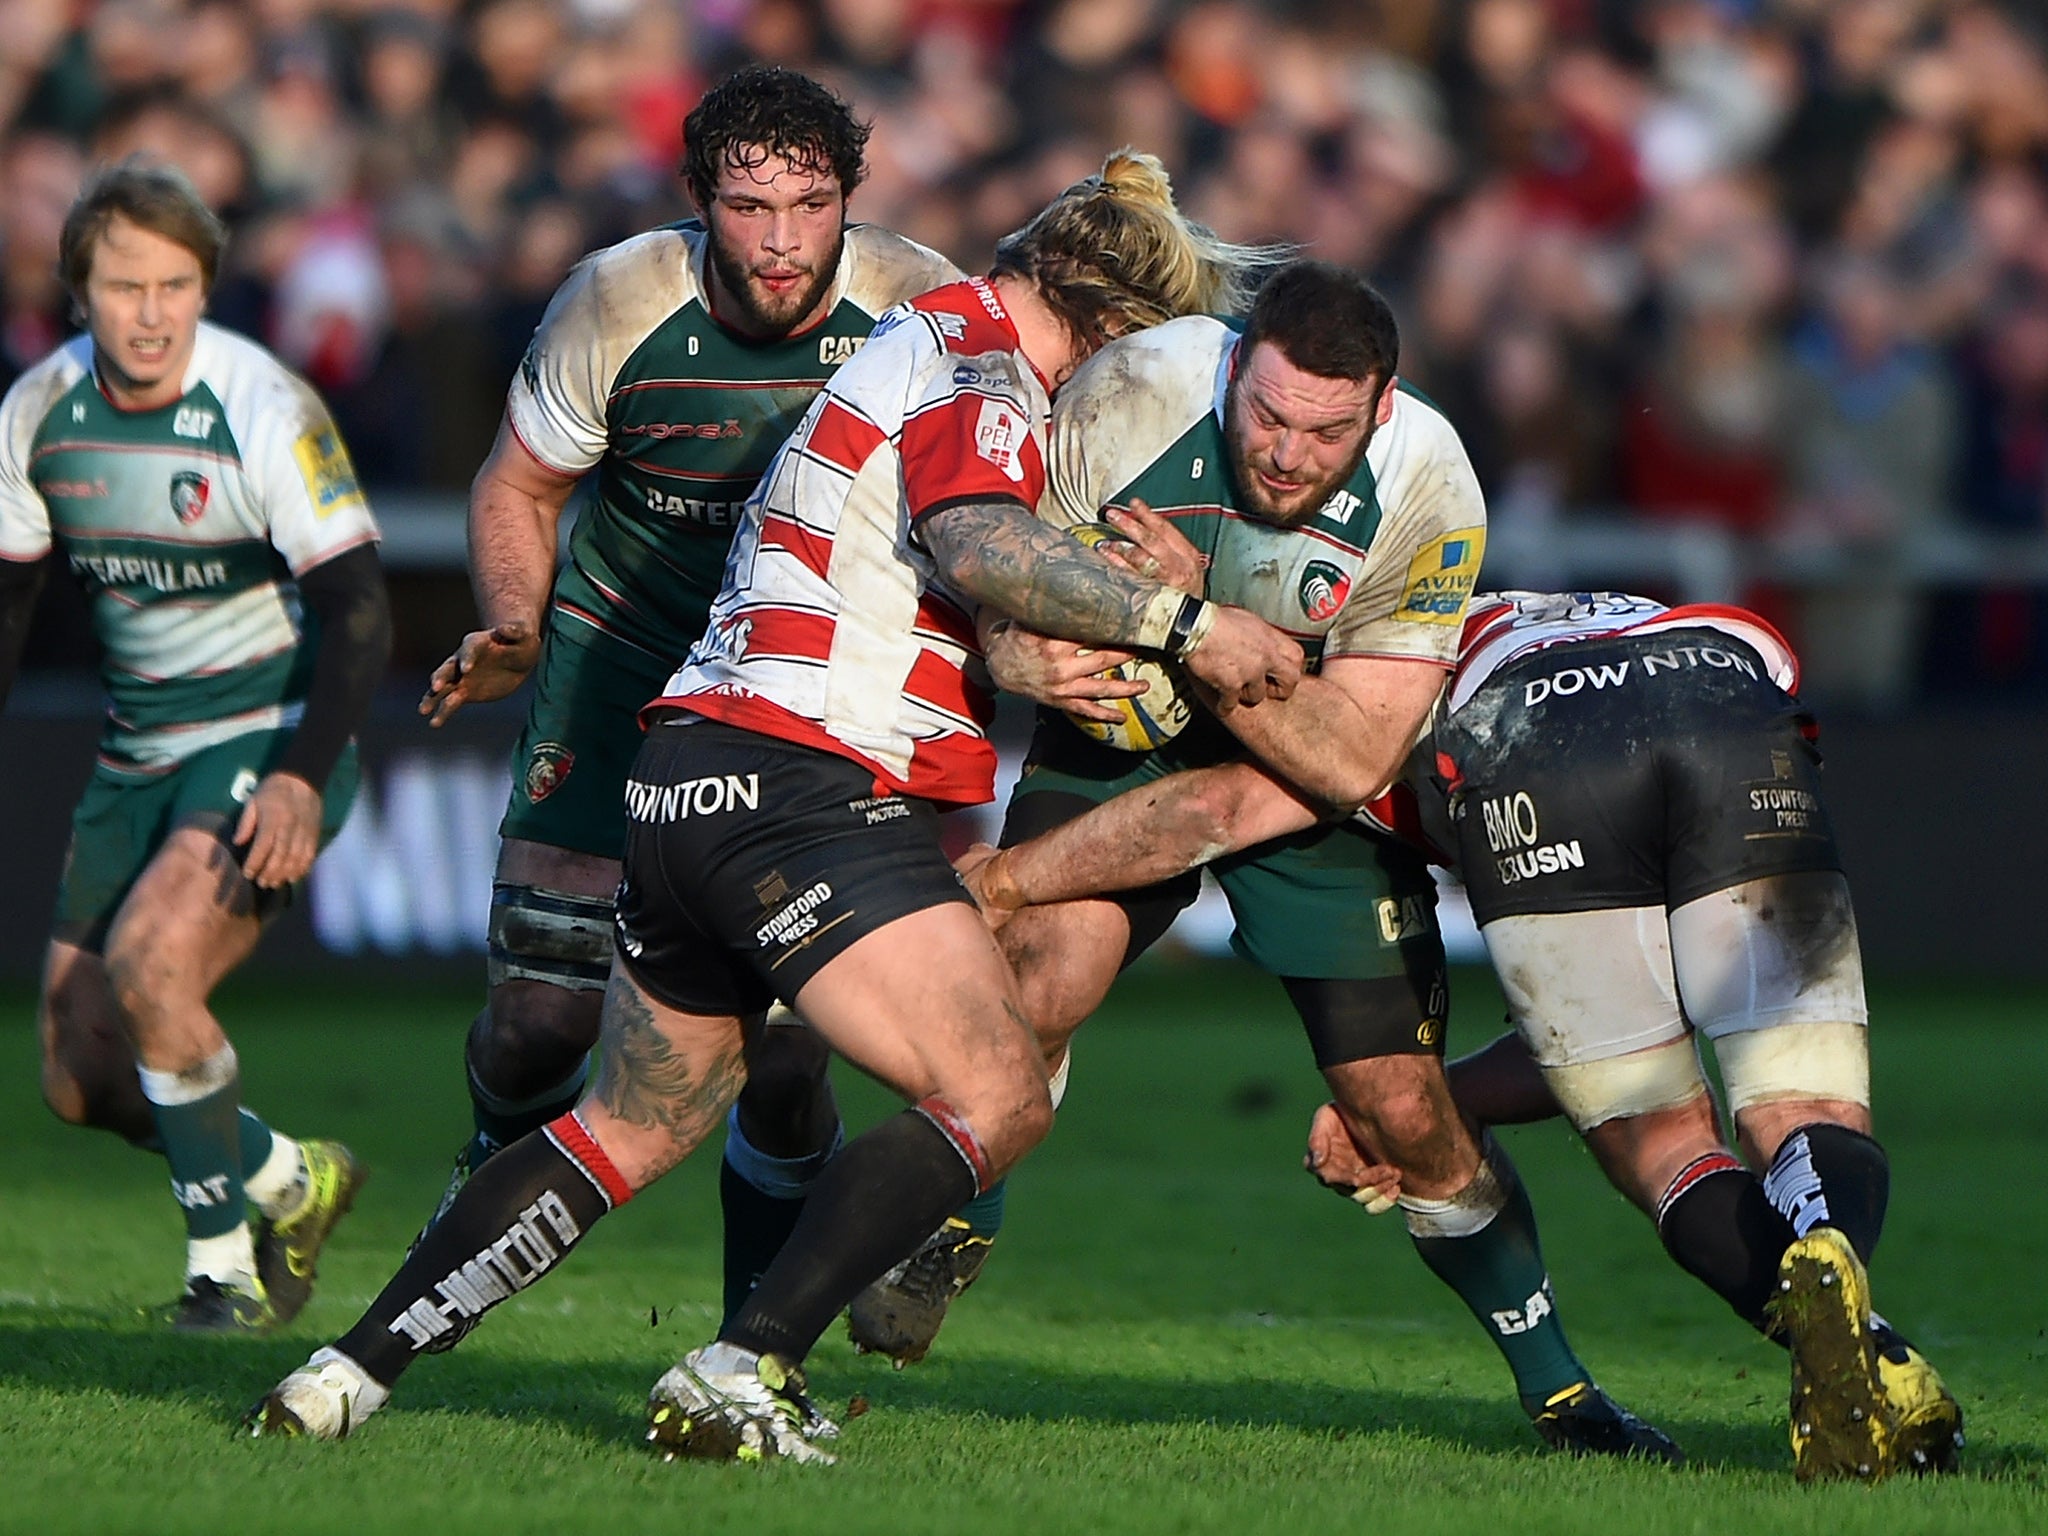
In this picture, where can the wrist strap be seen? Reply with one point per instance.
(1191, 625)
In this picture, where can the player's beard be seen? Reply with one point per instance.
(1303, 504)
(761, 311)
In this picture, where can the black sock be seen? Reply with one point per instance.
(1721, 1227)
(516, 1219)
(885, 1193)
(1829, 1175)
(757, 1227)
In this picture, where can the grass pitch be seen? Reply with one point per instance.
(1178, 1331)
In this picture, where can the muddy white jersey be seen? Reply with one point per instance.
(832, 627)
(1383, 568)
(186, 525)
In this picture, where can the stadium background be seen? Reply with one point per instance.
(1729, 299)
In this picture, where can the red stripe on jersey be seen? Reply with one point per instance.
(951, 771)
(840, 437)
(974, 447)
(576, 1143)
(809, 547)
(937, 616)
(790, 632)
(935, 681)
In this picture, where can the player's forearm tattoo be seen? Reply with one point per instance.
(1000, 554)
(643, 1080)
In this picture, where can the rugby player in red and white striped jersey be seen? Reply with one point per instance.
(782, 814)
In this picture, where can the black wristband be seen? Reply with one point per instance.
(1183, 636)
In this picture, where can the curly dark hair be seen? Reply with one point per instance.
(767, 110)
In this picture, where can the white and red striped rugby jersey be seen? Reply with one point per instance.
(832, 628)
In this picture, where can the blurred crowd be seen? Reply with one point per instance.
(1779, 266)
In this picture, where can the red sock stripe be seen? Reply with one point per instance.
(961, 1134)
(1704, 1166)
(581, 1148)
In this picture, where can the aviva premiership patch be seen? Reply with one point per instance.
(1441, 578)
(189, 492)
(547, 770)
(324, 465)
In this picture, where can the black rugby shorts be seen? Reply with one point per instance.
(752, 862)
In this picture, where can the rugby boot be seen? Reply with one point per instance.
(215, 1306)
(900, 1314)
(1928, 1419)
(324, 1399)
(472, 1156)
(723, 1403)
(288, 1247)
(1842, 1426)
(1582, 1420)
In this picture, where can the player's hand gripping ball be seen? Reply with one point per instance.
(1158, 714)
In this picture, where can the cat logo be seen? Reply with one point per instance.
(834, 350)
(193, 422)
(189, 493)
(1322, 591)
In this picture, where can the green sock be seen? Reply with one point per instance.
(197, 1117)
(1497, 1271)
(984, 1213)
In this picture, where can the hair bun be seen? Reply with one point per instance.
(1139, 177)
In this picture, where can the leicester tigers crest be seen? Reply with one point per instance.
(189, 491)
(546, 769)
(1323, 590)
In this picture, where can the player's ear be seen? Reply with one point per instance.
(1386, 406)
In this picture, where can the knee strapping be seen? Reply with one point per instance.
(1471, 1208)
(1795, 1061)
(1639, 1083)
(550, 936)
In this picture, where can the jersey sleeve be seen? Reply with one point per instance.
(1409, 600)
(24, 516)
(972, 437)
(305, 481)
(557, 399)
(1075, 484)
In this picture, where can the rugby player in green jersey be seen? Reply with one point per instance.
(667, 371)
(199, 491)
(1341, 508)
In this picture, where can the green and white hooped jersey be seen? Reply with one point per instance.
(630, 375)
(1383, 569)
(186, 525)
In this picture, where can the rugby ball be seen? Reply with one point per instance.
(1155, 716)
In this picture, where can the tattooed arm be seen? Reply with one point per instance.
(999, 554)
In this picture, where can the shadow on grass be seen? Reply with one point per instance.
(70, 1351)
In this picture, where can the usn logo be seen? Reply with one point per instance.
(189, 492)
(547, 770)
(1323, 590)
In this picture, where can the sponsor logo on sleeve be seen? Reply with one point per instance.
(1441, 578)
(999, 434)
(189, 493)
(324, 465)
